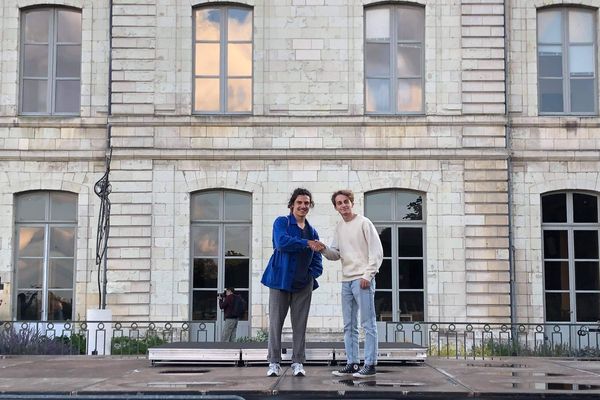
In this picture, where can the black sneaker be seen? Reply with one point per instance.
(349, 369)
(367, 371)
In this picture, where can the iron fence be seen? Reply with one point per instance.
(442, 339)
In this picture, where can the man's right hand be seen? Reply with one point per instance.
(315, 245)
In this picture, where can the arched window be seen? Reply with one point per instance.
(221, 224)
(45, 224)
(399, 218)
(570, 252)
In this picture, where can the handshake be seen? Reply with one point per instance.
(315, 245)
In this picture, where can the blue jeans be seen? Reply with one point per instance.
(354, 299)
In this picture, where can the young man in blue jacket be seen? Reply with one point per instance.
(291, 277)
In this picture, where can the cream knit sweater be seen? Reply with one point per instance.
(357, 244)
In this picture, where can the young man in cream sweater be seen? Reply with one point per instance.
(356, 242)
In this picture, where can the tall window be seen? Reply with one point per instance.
(394, 36)
(45, 225)
(398, 217)
(50, 61)
(221, 226)
(567, 61)
(223, 60)
(571, 270)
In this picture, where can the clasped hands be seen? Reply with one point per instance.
(315, 245)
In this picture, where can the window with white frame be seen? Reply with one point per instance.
(50, 61)
(45, 227)
(394, 54)
(221, 224)
(399, 219)
(223, 59)
(571, 258)
(567, 54)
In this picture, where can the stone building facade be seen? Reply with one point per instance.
(471, 140)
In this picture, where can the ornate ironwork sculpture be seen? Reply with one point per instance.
(102, 188)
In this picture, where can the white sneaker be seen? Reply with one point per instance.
(298, 369)
(274, 369)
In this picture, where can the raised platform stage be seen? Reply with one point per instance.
(248, 353)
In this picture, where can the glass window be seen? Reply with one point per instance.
(45, 225)
(223, 60)
(221, 228)
(567, 55)
(398, 217)
(50, 61)
(394, 54)
(571, 256)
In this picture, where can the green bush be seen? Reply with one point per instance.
(32, 342)
(124, 345)
(261, 336)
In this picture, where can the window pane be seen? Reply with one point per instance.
(68, 61)
(205, 206)
(384, 276)
(34, 95)
(208, 58)
(378, 95)
(410, 242)
(69, 26)
(410, 274)
(60, 305)
(581, 25)
(551, 95)
(410, 95)
(206, 240)
(239, 24)
(588, 307)
(411, 303)
(586, 244)
(62, 242)
(556, 275)
(208, 24)
(238, 206)
(35, 61)
(554, 207)
(239, 95)
(378, 24)
(63, 207)
(239, 59)
(237, 241)
(383, 305)
(37, 24)
(31, 206)
(377, 59)
(378, 206)
(205, 273)
(550, 61)
(558, 307)
(204, 305)
(410, 23)
(409, 206)
(29, 272)
(67, 96)
(244, 294)
(555, 244)
(587, 275)
(31, 242)
(237, 273)
(582, 95)
(29, 305)
(585, 208)
(581, 60)
(207, 97)
(385, 235)
(550, 26)
(61, 273)
(409, 60)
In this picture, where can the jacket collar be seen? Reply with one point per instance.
(293, 221)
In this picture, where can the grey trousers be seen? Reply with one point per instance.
(299, 305)
(229, 329)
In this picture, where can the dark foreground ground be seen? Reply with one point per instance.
(82, 377)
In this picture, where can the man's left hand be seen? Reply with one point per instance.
(364, 284)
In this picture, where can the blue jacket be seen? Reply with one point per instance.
(287, 244)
